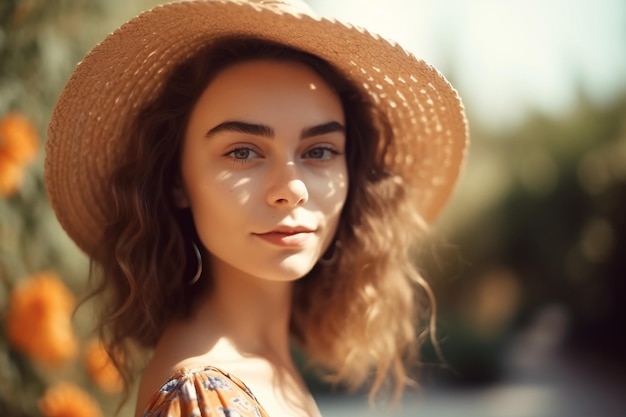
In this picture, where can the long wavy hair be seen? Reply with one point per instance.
(355, 317)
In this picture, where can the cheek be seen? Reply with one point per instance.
(240, 188)
(331, 194)
(333, 202)
(333, 190)
(220, 195)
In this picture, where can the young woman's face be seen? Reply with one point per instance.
(263, 168)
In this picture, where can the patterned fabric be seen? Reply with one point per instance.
(204, 392)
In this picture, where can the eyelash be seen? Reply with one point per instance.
(230, 154)
(333, 151)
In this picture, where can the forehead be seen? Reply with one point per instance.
(253, 88)
(250, 71)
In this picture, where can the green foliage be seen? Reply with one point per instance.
(552, 228)
(41, 41)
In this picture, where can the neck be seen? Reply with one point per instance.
(250, 313)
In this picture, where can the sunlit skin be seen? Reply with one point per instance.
(264, 170)
(264, 175)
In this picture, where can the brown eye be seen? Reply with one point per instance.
(242, 154)
(321, 153)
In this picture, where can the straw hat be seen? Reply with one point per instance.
(89, 126)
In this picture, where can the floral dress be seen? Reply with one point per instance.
(204, 392)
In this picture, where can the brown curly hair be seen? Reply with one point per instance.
(355, 317)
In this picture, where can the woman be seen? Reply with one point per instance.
(245, 177)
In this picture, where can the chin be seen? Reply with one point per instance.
(290, 269)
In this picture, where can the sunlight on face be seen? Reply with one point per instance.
(264, 170)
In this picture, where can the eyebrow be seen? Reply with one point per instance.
(322, 129)
(266, 131)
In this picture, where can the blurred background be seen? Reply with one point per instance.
(527, 263)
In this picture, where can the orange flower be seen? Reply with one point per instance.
(101, 369)
(18, 146)
(18, 138)
(11, 175)
(39, 319)
(67, 400)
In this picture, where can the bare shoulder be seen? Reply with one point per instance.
(151, 380)
(153, 377)
(178, 348)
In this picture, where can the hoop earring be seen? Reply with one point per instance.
(198, 274)
(334, 254)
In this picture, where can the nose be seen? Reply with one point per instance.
(288, 190)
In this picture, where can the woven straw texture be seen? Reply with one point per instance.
(88, 129)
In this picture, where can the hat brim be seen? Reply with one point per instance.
(90, 122)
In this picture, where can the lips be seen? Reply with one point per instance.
(287, 236)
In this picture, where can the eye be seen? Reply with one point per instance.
(321, 153)
(242, 154)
